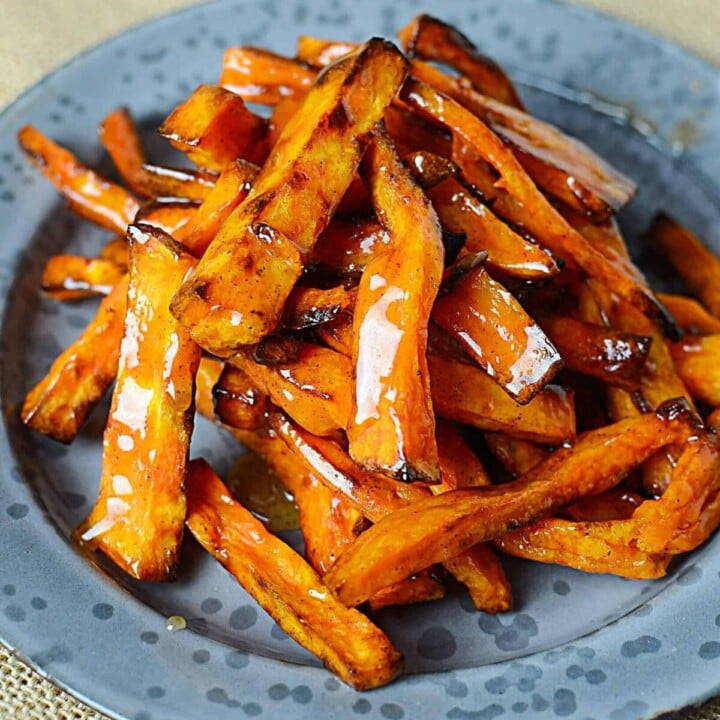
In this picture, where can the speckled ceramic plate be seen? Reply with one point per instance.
(577, 645)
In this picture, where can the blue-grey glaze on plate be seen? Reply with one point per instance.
(577, 645)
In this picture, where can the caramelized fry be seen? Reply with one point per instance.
(236, 294)
(72, 277)
(378, 496)
(116, 249)
(432, 39)
(392, 425)
(88, 194)
(60, 403)
(140, 511)
(213, 128)
(498, 334)
(263, 77)
(466, 394)
(421, 587)
(238, 402)
(616, 358)
(696, 362)
(167, 214)
(307, 307)
(439, 527)
(697, 265)
(170, 182)
(317, 52)
(615, 504)
(120, 137)
(690, 315)
(600, 547)
(515, 455)
(313, 388)
(287, 588)
(460, 211)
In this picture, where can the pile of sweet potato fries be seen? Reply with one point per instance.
(410, 298)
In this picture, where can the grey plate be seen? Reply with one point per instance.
(580, 645)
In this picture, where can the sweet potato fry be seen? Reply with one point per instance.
(346, 247)
(286, 587)
(313, 388)
(140, 511)
(517, 198)
(230, 190)
(498, 334)
(263, 77)
(88, 194)
(690, 315)
(73, 277)
(459, 465)
(713, 419)
(167, 214)
(60, 403)
(421, 587)
(696, 264)
(696, 362)
(376, 496)
(460, 211)
(120, 137)
(213, 127)
(433, 529)
(160, 181)
(236, 294)
(614, 357)
(282, 111)
(466, 394)
(410, 133)
(319, 53)
(392, 425)
(515, 455)
(307, 306)
(687, 539)
(561, 165)
(616, 504)
(238, 402)
(432, 39)
(600, 547)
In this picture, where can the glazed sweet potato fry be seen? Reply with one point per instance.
(614, 357)
(436, 528)
(170, 182)
(497, 333)
(120, 137)
(599, 547)
(392, 425)
(346, 247)
(88, 194)
(466, 394)
(213, 128)
(698, 266)
(690, 315)
(60, 403)
(460, 211)
(140, 511)
(561, 165)
(313, 387)
(515, 455)
(116, 250)
(307, 306)
(696, 362)
(167, 214)
(352, 647)
(73, 277)
(263, 77)
(616, 504)
(421, 587)
(318, 52)
(432, 39)
(237, 400)
(237, 292)
(377, 496)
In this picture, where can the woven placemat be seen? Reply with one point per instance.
(27, 696)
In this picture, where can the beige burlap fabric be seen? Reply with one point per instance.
(39, 35)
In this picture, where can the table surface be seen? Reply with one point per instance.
(41, 34)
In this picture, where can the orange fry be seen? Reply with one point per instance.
(392, 425)
(72, 277)
(696, 362)
(515, 455)
(307, 307)
(213, 128)
(237, 292)
(432, 39)
(88, 194)
(60, 403)
(120, 137)
(696, 264)
(352, 647)
(170, 182)
(139, 515)
(237, 400)
(690, 315)
(436, 528)
(497, 333)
